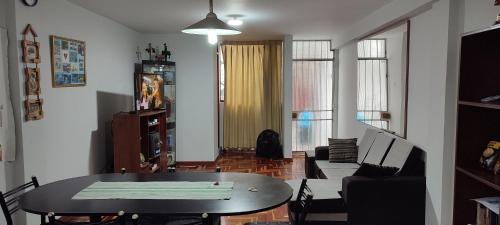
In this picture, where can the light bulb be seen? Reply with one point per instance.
(212, 37)
(235, 22)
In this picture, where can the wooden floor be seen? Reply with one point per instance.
(248, 163)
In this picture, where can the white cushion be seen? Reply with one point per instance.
(321, 188)
(378, 149)
(338, 173)
(398, 154)
(325, 164)
(311, 153)
(365, 143)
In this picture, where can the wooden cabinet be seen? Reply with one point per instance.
(478, 121)
(139, 140)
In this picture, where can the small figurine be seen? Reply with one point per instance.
(150, 50)
(138, 54)
(166, 53)
(489, 158)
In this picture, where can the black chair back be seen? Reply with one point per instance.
(9, 200)
(302, 204)
(118, 220)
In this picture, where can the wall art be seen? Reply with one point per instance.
(68, 62)
(31, 59)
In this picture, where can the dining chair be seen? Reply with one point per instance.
(299, 208)
(118, 219)
(9, 200)
(202, 219)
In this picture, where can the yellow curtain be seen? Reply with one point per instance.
(253, 91)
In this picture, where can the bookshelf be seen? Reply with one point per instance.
(478, 122)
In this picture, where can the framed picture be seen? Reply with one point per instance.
(33, 109)
(149, 92)
(31, 51)
(68, 62)
(32, 81)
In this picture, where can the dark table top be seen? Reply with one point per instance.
(57, 196)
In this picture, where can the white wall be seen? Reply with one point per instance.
(196, 93)
(72, 139)
(428, 60)
(478, 14)
(5, 132)
(434, 50)
(287, 95)
(3, 13)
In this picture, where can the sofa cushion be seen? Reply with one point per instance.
(375, 171)
(342, 150)
(379, 148)
(337, 173)
(321, 152)
(310, 153)
(321, 188)
(365, 143)
(398, 154)
(326, 197)
(325, 164)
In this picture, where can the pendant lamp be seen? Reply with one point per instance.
(211, 26)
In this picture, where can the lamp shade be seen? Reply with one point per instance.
(211, 24)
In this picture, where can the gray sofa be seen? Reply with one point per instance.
(392, 200)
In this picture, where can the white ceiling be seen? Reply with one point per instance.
(263, 19)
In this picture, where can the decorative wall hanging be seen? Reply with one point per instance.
(31, 56)
(34, 109)
(32, 81)
(31, 49)
(68, 62)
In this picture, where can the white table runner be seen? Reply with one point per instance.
(157, 190)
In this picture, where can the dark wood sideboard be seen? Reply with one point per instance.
(132, 134)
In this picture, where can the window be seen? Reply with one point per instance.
(372, 82)
(312, 106)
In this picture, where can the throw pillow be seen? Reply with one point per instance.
(375, 171)
(343, 150)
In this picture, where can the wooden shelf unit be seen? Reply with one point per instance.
(477, 123)
(131, 138)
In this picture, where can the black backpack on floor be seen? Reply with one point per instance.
(268, 145)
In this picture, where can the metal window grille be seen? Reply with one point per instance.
(312, 114)
(372, 82)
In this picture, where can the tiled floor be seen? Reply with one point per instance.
(248, 163)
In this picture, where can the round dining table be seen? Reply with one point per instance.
(251, 193)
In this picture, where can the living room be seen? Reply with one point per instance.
(72, 134)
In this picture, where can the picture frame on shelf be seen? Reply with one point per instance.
(32, 81)
(34, 109)
(149, 92)
(68, 62)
